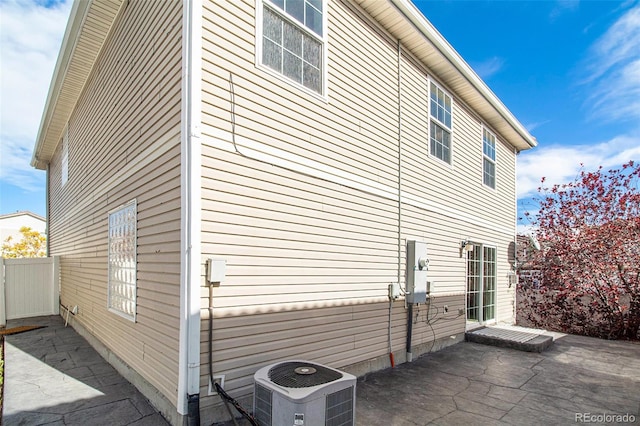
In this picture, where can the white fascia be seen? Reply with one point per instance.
(431, 33)
(190, 204)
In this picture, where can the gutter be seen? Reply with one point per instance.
(188, 402)
(410, 11)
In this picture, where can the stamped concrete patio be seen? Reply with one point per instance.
(54, 377)
(577, 378)
(474, 384)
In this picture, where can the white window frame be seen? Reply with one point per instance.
(437, 122)
(64, 163)
(122, 260)
(260, 5)
(491, 138)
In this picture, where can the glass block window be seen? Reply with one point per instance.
(122, 261)
(488, 158)
(292, 41)
(440, 127)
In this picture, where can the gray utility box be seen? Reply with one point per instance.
(417, 266)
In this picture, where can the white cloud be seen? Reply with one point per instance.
(534, 125)
(522, 229)
(612, 76)
(612, 70)
(563, 6)
(29, 44)
(561, 164)
(489, 67)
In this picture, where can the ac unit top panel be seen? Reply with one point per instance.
(302, 387)
(301, 374)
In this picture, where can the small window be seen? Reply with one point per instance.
(488, 158)
(64, 173)
(440, 124)
(122, 261)
(293, 41)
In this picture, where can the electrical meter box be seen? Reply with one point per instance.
(417, 266)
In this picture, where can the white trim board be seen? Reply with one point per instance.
(222, 139)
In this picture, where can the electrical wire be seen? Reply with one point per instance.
(391, 359)
(226, 403)
(226, 398)
(232, 91)
(428, 322)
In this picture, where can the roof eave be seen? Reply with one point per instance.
(76, 17)
(520, 137)
(89, 15)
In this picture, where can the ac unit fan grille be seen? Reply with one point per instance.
(285, 374)
(263, 405)
(339, 408)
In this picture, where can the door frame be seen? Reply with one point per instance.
(480, 247)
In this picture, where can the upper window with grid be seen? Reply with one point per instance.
(440, 127)
(293, 40)
(488, 158)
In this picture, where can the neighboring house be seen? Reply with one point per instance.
(11, 223)
(528, 275)
(302, 148)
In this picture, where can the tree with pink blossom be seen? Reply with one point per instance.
(589, 261)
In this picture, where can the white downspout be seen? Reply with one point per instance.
(399, 82)
(47, 209)
(190, 217)
(514, 287)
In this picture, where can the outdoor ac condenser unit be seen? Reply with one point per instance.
(301, 393)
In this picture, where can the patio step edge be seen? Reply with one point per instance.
(537, 343)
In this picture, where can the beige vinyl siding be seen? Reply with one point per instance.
(304, 207)
(280, 115)
(124, 143)
(459, 185)
(292, 240)
(324, 241)
(322, 334)
(457, 189)
(271, 217)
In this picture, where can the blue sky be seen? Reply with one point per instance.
(569, 70)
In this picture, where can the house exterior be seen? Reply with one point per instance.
(11, 223)
(528, 275)
(300, 145)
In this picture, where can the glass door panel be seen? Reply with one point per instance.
(481, 283)
(474, 273)
(489, 284)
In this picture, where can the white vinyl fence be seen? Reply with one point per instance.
(29, 288)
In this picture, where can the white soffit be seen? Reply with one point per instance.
(89, 25)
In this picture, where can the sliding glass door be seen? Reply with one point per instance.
(481, 283)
